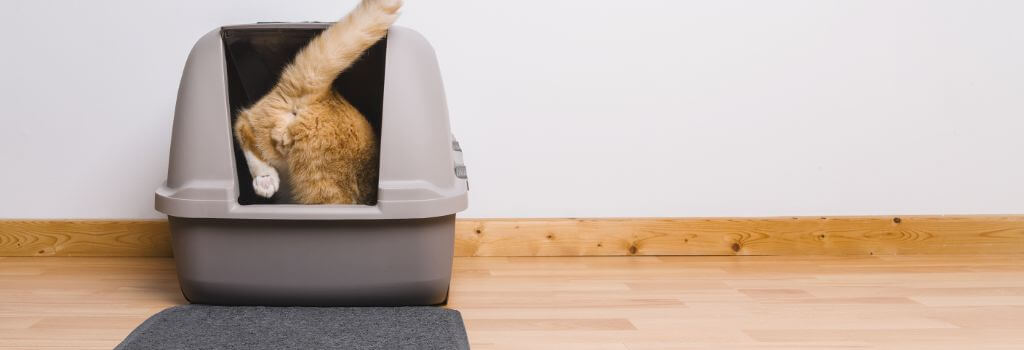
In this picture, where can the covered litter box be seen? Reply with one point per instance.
(233, 247)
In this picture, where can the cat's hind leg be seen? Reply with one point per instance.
(280, 136)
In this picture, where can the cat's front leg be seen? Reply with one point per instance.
(265, 180)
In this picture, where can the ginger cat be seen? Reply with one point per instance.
(304, 126)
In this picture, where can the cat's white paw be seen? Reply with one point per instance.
(266, 185)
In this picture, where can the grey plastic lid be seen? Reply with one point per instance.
(417, 163)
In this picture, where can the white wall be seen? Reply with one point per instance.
(576, 108)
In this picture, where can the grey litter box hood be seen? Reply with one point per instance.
(231, 248)
(417, 160)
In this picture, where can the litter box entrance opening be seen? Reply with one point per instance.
(255, 58)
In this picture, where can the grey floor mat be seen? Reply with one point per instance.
(259, 327)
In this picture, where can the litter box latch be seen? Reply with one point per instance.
(460, 165)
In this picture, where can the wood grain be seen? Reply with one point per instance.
(84, 238)
(877, 235)
(624, 303)
(742, 236)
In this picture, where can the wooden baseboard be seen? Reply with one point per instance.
(602, 237)
(84, 238)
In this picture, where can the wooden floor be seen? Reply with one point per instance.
(932, 302)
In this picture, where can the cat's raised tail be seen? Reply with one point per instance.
(334, 50)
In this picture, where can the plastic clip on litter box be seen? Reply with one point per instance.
(233, 248)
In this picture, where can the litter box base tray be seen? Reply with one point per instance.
(396, 262)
